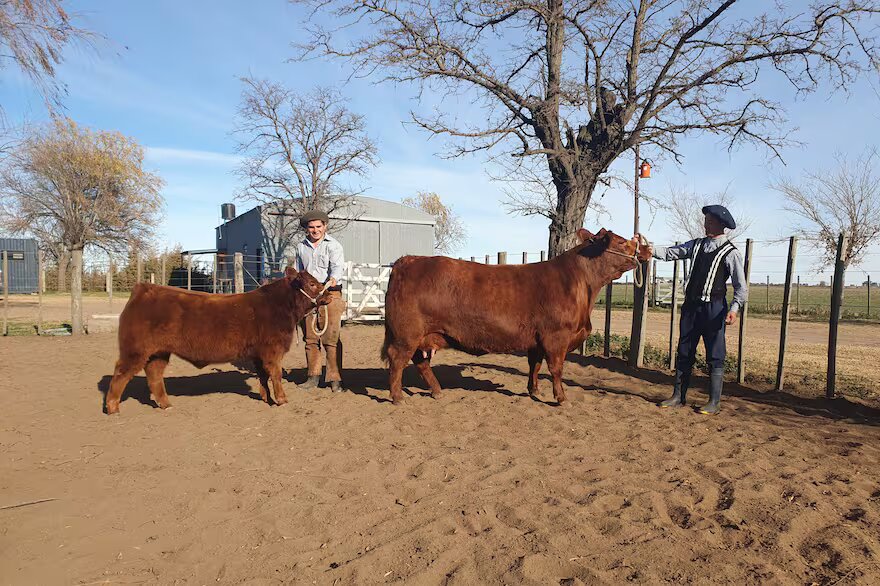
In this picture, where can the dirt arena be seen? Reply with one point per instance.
(484, 486)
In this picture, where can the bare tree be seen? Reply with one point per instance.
(301, 153)
(80, 188)
(34, 35)
(579, 83)
(449, 232)
(843, 199)
(685, 217)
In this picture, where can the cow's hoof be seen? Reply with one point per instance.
(436, 395)
(114, 410)
(336, 386)
(281, 402)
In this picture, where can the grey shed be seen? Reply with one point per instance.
(375, 231)
(24, 276)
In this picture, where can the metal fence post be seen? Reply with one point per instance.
(744, 313)
(836, 302)
(786, 306)
(5, 294)
(41, 287)
(109, 284)
(239, 272)
(608, 292)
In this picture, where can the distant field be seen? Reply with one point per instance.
(805, 301)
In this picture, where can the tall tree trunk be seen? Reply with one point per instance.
(76, 273)
(572, 201)
(63, 265)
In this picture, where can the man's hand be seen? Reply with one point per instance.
(331, 282)
(731, 317)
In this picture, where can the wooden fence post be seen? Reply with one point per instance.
(525, 258)
(41, 287)
(502, 258)
(654, 290)
(743, 315)
(109, 284)
(786, 306)
(189, 272)
(5, 294)
(239, 272)
(797, 296)
(869, 296)
(473, 259)
(639, 319)
(626, 289)
(140, 267)
(608, 292)
(767, 303)
(152, 278)
(216, 266)
(543, 255)
(836, 302)
(487, 259)
(673, 315)
(162, 265)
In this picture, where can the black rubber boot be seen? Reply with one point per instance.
(679, 390)
(310, 383)
(716, 381)
(336, 386)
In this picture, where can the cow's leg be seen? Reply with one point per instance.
(263, 376)
(155, 368)
(397, 360)
(125, 368)
(555, 361)
(424, 365)
(273, 367)
(536, 356)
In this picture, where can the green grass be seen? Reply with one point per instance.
(29, 328)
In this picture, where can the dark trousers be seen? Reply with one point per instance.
(702, 320)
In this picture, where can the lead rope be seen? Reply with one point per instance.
(638, 280)
(317, 310)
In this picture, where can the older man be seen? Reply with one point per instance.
(321, 255)
(704, 313)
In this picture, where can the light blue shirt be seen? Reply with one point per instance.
(732, 261)
(322, 260)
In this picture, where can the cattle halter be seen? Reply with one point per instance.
(638, 281)
(317, 309)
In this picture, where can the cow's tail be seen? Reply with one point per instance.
(383, 353)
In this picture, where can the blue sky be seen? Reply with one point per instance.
(169, 78)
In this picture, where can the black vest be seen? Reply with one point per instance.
(709, 274)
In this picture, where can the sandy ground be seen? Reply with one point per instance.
(484, 486)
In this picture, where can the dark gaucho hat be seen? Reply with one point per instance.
(313, 215)
(722, 214)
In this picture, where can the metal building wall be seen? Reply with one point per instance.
(398, 239)
(360, 240)
(241, 234)
(24, 274)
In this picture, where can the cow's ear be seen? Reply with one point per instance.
(290, 272)
(602, 233)
(583, 234)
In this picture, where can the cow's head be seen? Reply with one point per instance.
(312, 287)
(623, 252)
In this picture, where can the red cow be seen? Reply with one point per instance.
(542, 309)
(203, 328)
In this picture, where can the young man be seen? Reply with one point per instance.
(705, 313)
(322, 257)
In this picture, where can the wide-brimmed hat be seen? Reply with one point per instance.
(722, 214)
(313, 215)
